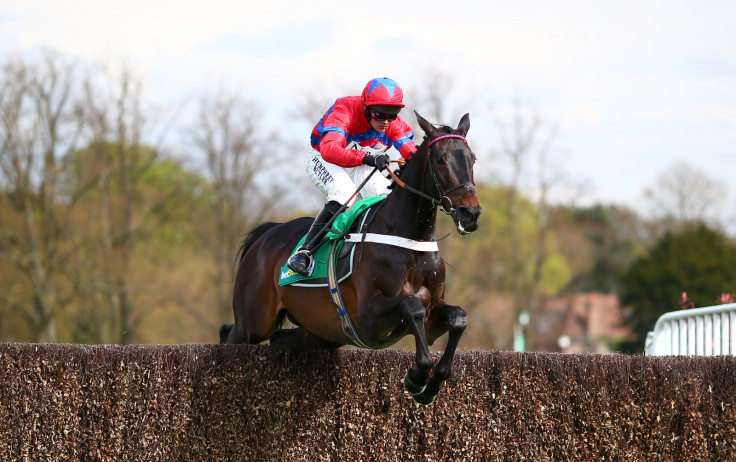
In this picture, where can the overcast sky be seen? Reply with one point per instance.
(632, 85)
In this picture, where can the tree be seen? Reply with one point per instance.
(478, 276)
(170, 298)
(239, 158)
(600, 242)
(433, 96)
(40, 122)
(115, 167)
(684, 194)
(699, 261)
(526, 141)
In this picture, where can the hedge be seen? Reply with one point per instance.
(217, 402)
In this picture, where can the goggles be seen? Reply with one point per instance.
(381, 116)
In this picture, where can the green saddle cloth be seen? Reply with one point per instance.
(342, 223)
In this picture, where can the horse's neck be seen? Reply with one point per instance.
(408, 215)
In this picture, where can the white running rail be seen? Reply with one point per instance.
(707, 331)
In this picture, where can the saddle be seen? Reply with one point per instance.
(344, 223)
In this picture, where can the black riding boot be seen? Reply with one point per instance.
(302, 259)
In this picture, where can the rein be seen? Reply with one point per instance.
(444, 202)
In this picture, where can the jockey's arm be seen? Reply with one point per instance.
(403, 138)
(333, 151)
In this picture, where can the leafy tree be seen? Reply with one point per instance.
(158, 266)
(479, 273)
(600, 241)
(699, 261)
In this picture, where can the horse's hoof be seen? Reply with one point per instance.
(411, 387)
(423, 399)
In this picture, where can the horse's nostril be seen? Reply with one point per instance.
(471, 212)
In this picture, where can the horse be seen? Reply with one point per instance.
(392, 291)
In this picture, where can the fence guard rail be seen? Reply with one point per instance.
(707, 331)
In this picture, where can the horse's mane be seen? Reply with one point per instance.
(422, 148)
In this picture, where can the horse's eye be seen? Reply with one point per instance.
(439, 160)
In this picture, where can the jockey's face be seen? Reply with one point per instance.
(380, 121)
(379, 125)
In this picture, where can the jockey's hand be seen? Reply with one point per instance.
(380, 161)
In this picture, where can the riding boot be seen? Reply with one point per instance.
(302, 259)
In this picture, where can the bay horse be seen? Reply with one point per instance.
(392, 291)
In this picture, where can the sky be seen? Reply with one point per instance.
(631, 86)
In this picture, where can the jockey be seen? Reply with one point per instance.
(345, 142)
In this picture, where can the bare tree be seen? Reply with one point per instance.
(115, 121)
(684, 194)
(239, 159)
(526, 141)
(440, 84)
(117, 160)
(433, 95)
(38, 110)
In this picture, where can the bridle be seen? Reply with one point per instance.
(444, 201)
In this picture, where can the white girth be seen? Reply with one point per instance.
(418, 246)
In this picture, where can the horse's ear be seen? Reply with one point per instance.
(464, 124)
(428, 128)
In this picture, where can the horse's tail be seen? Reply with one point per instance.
(252, 237)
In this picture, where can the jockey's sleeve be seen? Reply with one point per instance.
(402, 137)
(345, 123)
(333, 151)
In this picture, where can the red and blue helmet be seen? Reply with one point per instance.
(384, 93)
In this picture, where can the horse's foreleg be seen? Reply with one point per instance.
(225, 332)
(231, 333)
(416, 378)
(453, 320)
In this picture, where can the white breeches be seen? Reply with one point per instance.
(339, 183)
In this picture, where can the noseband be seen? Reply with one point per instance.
(444, 201)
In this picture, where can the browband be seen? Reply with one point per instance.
(446, 136)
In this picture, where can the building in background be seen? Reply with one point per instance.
(582, 322)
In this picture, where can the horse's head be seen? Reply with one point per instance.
(450, 164)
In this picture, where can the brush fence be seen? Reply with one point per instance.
(256, 403)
